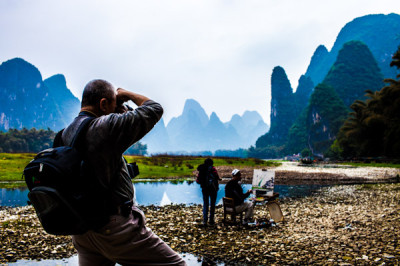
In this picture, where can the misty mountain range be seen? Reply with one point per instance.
(310, 118)
(359, 60)
(28, 101)
(195, 131)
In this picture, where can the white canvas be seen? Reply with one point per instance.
(263, 180)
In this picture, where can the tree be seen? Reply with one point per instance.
(34, 140)
(25, 140)
(137, 149)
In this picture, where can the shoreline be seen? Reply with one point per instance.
(293, 173)
(290, 173)
(352, 224)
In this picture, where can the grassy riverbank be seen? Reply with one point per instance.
(166, 166)
(341, 225)
(154, 167)
(12, 165)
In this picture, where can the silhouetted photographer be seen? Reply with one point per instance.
(124, 238)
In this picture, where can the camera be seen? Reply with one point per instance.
(133, 170)
(122, 108)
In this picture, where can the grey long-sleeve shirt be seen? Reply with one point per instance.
(106, 140)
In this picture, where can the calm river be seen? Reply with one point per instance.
(163, 193)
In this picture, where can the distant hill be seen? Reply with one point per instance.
(157, 139)
(354, 71)
(194, 131)
(317, 126)
(359, 61)
(28, 101)
(283, 110)
(381, 33)
(303, 92)
(68, 104)
(373, 127)
(249, 126)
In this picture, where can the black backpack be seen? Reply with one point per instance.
(61, 190)
(207, 179)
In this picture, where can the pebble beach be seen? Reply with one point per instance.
(338, 225)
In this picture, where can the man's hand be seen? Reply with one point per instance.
(122, 96)
(125, 95)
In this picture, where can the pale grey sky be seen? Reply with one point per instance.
(220, 53)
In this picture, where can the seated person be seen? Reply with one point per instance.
(234, 190)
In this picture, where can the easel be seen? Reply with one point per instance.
(273, 206)
(263, 184)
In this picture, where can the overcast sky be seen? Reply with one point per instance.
(220, 53)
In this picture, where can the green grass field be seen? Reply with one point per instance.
(183, 166)
(12, 165)
(155, 167)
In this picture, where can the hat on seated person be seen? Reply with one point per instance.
(235, 172)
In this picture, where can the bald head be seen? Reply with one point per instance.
(95, 90)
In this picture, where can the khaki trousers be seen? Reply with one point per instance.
(126, 241)
(247, 207)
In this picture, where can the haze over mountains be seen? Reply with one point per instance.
(26, 100)
(308, 118)
(195, 131)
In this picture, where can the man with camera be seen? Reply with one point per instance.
(124, 239)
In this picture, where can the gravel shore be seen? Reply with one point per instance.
(293, 172)
(341, 225)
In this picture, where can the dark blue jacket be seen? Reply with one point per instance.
(235, 191)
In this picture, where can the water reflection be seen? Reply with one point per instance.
(163, 193)
(13, 197)
(190, 260)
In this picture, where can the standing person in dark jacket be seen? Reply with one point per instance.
(208, 180)
(125, 238)
(235, 191)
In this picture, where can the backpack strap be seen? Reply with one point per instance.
(58, 142)
(78, 138)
